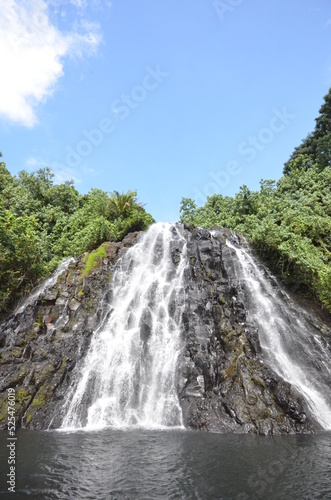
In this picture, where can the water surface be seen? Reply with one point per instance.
(141, 464)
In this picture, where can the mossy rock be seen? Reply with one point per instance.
(230, 372)
(42, 397)
(259, 412)
(70, 276)
(6, 357)
(40, 354)
(258, 381)
(23, 397)
(92, 260)
(61, 278)
(33, 334)
(38, 400)
(39, 321)
(42, 373)
(53, 315)
(63, 364)
(3, 409)
(16, 377)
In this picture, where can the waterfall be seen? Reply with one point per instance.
(128, 377)
(289, 341)
(44, 286)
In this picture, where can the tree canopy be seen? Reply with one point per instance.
(288, 222)
(316, 148)
(42, 222)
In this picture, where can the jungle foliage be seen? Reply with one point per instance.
(41, 223)
(288, 222)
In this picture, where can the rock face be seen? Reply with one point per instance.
(42, 340)
(223, 383)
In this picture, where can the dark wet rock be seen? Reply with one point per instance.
(41, 344)
(224, 384)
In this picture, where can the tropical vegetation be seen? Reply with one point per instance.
(41, 223)
(288, 222)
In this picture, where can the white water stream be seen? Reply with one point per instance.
(289, 341)
(128, 377)
(45, 285)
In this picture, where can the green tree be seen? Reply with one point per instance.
(288, 223)
(120, 205)
(42, 222)
(316, 148)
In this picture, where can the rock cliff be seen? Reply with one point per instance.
(224, 384)
(48, 334)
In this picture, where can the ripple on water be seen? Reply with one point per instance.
(172, 464)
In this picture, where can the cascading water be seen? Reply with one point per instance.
(289, 341)
(128, 376)
(45, 285)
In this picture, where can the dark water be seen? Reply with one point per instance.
(144, 464)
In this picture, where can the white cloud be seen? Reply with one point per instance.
(32, 52)
(87, 170)
(62, 174)
(33, 163)
(79, 3)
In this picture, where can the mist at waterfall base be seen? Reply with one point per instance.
(170, 464)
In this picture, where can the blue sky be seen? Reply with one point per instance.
(172, 98)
